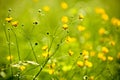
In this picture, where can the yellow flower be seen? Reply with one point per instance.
(92, 53)
(91, 78)
(53, 65)
(99, 10)
(105, 17)
(112, 43)
(118, 55)
(64, 5)
(88, 64)
(105, 50)
(81, 28)
(9, 19)
(102, 31)
(46, 54)
(15, 23)
(101, 56)
(66, 68)
(85, 52)
(115, 21)
(70, 52)
(110, 58)
(70, 39)
(64, 19)
(65, 26)
(80, 63)
(51, 71)
(22, 68)
(81, 16)
(46, 8)
(45, 47)
(9, 57)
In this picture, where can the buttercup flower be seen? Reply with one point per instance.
(15, 23)
(81, 16)
(46, 54)
(88, 64)
(115, 21)
(64, 5)
(45, 47)
(70, 52)
(105, 50)
(64, 19)
(9, 19)
(46, 8)
(22, 68)
(105, 17)
(80, 63)
(9, 57)
(70, 39)
(65, 26)
(81, 28)
(102, 31)
(99, 10)
(110, 58)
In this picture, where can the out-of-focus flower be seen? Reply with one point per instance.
(70, 52)
(101, 56)
(115, 21)
(64, 19)
(80, 63)
(105, 17)
(9, 57)
(22, 68)
(8, 19)
(91, 78)
(81, 28)
(70, 39)
(102, 31)
(45, 47)
(105, 50)
(88, 63)
(66, 68)
(112, 43)
(92, 53)
(65, 26)
(99, 10)
(51, 71)
(46, 8)
(118, 55)
(110, 58)
(15, 23)
(81, 16)
(46, 54)
(64, 5)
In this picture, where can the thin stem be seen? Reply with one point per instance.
(19, 58)
(33, 51)
(9, 49)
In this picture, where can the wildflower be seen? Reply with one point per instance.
(22, 68)
(99, 10)
(110, 58)
(80, 63)
(105, 50)
(64, 19)
(45, 47)
(64, 5)
(88, 64)
(46, 54)
(92, 53)
(46, 8)
(101, 56)
(70, 52)
(102, 31)
(118, 55)
(15, 23)
(51, 71)
(112, 43)
(81, 16)
(65, 26)
(53, 65)
(105, 17)
(115, 21)
(9, 57)
(81, 28)
(91, 78)
(70, 39)
(85, 53)
(9, 19)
